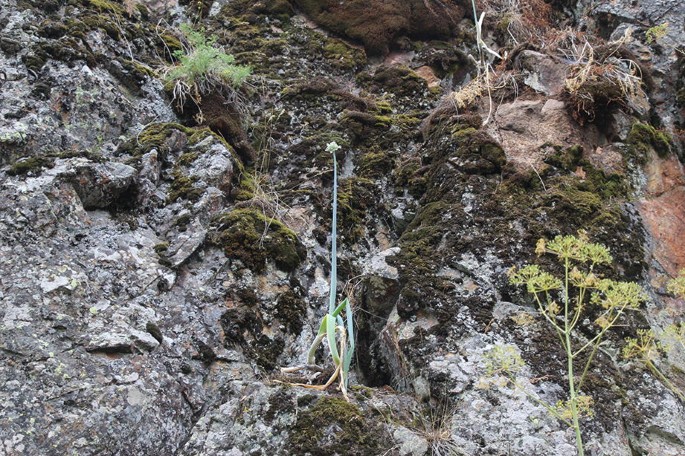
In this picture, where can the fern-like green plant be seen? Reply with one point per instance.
(562, 302)
(677, 285)
(647, 349)
(649, 345)
(338, 333)
(202, 67)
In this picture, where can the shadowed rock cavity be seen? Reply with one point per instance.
(378, 300)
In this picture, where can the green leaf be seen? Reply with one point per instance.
(330, 332)
(340, 307)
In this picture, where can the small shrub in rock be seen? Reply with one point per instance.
(563, 303)
(596, 80)
(202, 68)
(677, 285)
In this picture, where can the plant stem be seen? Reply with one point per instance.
(589, 361)
(568, 326)
(334, 243)
(664, 380)
(574, 397)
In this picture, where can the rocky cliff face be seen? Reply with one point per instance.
(161, 261)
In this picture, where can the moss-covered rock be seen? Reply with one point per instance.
(424, 234)
(291, 311)
(154, 136)
(643, 137)
(566, 159)
(364, 124)
(223, 118)
(183, 187)
(165, 137)
(199, 9)
(573, 202)
(280, 9)
(411, 174)
(253, 238)
(244, 324)
(355, 196)
(343, 56)
(472, 151)
(377, 23)
(374, 164)
(397, 79)
(30, 165)
(106, 5)
(335, 426)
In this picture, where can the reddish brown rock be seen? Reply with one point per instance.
(663, 212)
(377, 23)
(428, 75)
(526, 127)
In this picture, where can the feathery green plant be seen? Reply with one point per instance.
(648, 348)
(677, 285)
(505, 361)
(561, 301)
(202, 67)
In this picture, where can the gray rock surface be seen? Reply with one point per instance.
(152, 284)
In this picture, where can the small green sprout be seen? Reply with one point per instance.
(654, 34)
(503, 359)
(562, 302)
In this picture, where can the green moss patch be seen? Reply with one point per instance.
(108, 6)
(355, 196)
(335, 426)
(253, 238)
(397, 79)
(375, 164)
(364, 124)
(183, 187)
(423, 235)
(343, 56)
(30, 165)
(568, 161)
(411, 175)
(643, 137)
(157, 136)
(471, 151)
(153, 136)
(290, 311)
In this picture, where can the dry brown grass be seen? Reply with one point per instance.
(470, 93)
(594, 82)
(523, 21)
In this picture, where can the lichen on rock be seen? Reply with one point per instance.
(164, 263)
